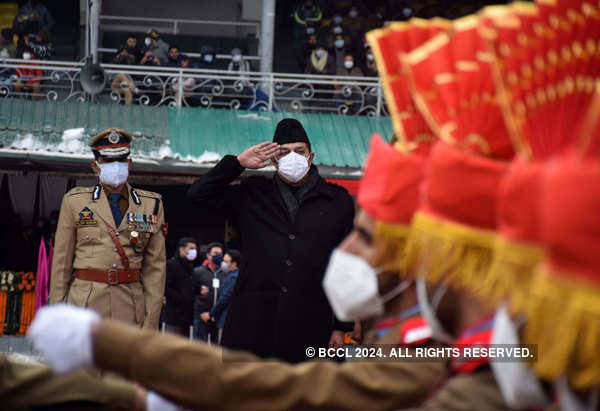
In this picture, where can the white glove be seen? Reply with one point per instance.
(155, 402)
(63, 334)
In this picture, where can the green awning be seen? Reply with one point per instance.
(175, 137)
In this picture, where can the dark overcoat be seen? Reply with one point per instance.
(180, 289)
(278, 306)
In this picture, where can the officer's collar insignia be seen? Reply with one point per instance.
(86, 218)
(114, 137)
(96, 194)
(136, 198)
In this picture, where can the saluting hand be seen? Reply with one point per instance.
(258, 156)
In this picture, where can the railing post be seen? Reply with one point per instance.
(180, 89)
(271, 91)
(175, 27)
(379, 97)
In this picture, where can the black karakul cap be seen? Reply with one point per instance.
(111, 143)
(290, 130)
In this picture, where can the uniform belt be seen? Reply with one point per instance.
(112, 276)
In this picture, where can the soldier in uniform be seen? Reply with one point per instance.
(110, 244)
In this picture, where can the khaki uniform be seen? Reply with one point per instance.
(25, 386)
(202, 377)
(83, 242)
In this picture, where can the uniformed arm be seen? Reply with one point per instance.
(154, 273)
(64, 250)
(202, 377)
(468, 392)
(224, 297)
(213, 190)
(24, 386)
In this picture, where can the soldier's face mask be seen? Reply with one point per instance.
(114, 173)
(429, 310)
(518, 385)
(351, 286)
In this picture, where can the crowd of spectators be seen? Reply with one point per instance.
(197, 296)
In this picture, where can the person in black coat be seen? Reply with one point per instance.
(288, 226)
(180, 288)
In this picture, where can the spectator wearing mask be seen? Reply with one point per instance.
(159, 48)
(232, 261)
(238, 63)
(348, 66)
(133, 49)
(354, 23)
(209, 276)
(340, 44)
(123, 84)
(307, 17)
(180, 286)
(208, 58)
(29, 79)
(320, 62)
(332, 35)
(348, 95)
(174, 57)
(368, 66)
(7, 47)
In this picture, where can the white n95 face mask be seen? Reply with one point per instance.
(191, 254)
(147, 41)
(350, 284)
(114, 174)
(428, 310)
(293, 167)
(519, 386)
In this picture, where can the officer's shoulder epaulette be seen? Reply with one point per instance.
(149, 194)
(79, 190)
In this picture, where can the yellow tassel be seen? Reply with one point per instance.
(390, 241)
(511, 273)
(563, 319)
(454, 253)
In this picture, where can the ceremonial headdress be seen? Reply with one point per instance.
(389, 190)
(112, 143)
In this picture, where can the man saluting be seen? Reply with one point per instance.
(288, 225)
(110, 245)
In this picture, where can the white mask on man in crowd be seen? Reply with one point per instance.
(370, 57)
(353, 13)
(208, 58)
(147, 41)
(348, 64)
(337, 30)
(339, 43)
(114, 173)
(293, 167)
(351, 286)
(319, 53)
(236, 58)
(519, 386)
(338, 20)
(26, 56)
(429, 310)
(310, 30)
(191, 254)
(225, 266)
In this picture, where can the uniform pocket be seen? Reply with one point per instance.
(88, 238)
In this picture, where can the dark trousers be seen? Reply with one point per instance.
(202, 331)
(182, 330)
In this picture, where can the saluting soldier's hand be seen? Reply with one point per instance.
(258, 156)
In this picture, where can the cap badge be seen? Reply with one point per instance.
(114, 137)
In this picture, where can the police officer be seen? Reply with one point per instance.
(110, 244)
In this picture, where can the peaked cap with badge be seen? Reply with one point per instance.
(110, 252)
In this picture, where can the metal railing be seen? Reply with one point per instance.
(60, 81)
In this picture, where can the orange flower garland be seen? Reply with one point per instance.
(27, 286)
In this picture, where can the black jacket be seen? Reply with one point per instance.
(278, 306)
(204, 276)
(180, 288)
